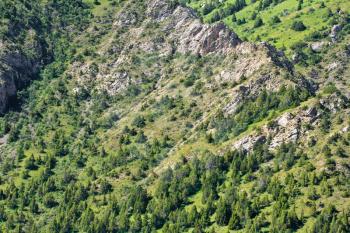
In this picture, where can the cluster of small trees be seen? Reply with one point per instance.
(228, 10)
(255, 110)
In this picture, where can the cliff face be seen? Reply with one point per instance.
(16, 71)
(29, 34)
(187, 32)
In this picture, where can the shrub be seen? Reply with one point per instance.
(298, 26)
(30, 163)
(330, 88)
(49, 201)
(139, 121)
(258, 23)
(105, 186)
(275, 19)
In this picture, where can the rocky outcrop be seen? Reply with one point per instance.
(188, 33)
(318, 46)
(253, 88)
(16, 71)
(334, 33)
(169, 29)
(159, 10)
(335, 102)
(247, 143)
(286, 129)
(197, 38)
(166, 29)
(290, 127)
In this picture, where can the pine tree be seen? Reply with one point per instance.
(223, 213)
(234, 223)
(33, 206)
(193, 215)
(30, 163)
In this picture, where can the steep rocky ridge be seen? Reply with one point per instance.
(245, 67)
(176, 29)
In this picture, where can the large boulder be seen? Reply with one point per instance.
(318, 46)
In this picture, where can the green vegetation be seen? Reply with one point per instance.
(149, 146)
(292, 21)
(256, 110)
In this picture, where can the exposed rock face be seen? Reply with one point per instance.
(197, 38)
(287, 129)
(277, 57)
(247, 143)
(188, 33)
(126, 19)
(289, 126)
(16, 70)
(334, 102)
(284, 120)
(252, 89)
(159, 10)
(332, 66)
(249, 59)
(3, 140)
(169, 29)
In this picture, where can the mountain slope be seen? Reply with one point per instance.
(272, 21)
(149, 120)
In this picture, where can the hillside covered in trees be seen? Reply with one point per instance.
(175, 116)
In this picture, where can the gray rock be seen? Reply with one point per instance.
(333, 66)
(126, 19)
(311, 112)
(16, 70)
(334, 32)
(334, 102)
(247, 143)
(289, 134)
(188, 32)
(284, 120)
(159, 10)
(317, 46)
(3, 140)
